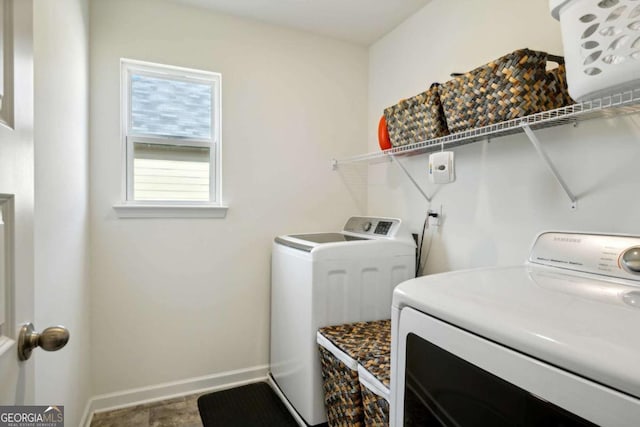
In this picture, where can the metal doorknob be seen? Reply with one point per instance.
(51, 339)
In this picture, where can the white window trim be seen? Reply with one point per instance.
(169, 210)
(129, 208)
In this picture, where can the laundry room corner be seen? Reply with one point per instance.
(181, 298)
(319, 213)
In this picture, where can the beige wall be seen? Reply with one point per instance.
(504, 194)
(61, 43)
(174, 299)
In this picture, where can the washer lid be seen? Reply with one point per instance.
(326, 237)
(583, 323)
(306, 242)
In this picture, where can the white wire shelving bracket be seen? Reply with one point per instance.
(552, 168)
(413, 181)
(616, 105)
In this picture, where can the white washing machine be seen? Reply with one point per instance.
(323, 279)
(552, 342)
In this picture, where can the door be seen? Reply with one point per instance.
(16, 196)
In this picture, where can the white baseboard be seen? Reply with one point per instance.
(123, 399)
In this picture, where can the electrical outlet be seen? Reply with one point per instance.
(435, 217)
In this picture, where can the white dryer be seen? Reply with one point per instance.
(552, 342)
(323, 279)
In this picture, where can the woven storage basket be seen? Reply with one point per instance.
(557, 83)
(342, 396)
(510, 87)
(374, 378)
(416, 119)
(376, 408)
(341, 348)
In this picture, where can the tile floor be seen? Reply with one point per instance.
(178, 412)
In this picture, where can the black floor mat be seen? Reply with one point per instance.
(253, 405)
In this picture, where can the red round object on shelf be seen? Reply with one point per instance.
(383, 134)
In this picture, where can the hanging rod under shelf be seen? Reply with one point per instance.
(616, 105)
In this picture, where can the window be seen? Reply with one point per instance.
(171, 134)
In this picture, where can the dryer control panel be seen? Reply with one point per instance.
(610, 255)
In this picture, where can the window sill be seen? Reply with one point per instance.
(160, 210)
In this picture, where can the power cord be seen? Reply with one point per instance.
(431, 222)
(419, 251)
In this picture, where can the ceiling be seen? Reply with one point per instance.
(358, 21)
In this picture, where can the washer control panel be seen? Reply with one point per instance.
(382, 227)
(610, 255)
(630, 260)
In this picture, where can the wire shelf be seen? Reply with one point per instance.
(616, 105)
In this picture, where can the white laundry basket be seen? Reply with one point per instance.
(601, 41)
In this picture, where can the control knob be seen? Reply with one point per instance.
(630, 260)
(367, 226)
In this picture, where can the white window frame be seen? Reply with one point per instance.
(170, 208)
